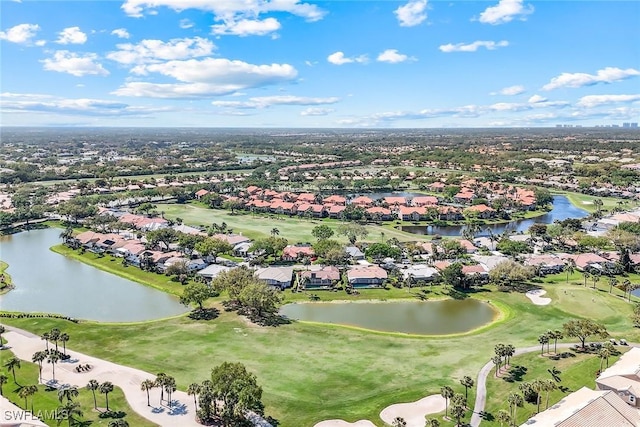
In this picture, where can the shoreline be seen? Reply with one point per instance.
(8, 283)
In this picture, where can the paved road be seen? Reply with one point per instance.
(481, 382)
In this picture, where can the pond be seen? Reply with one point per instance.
(411, 317)
(562, 209)
(51, 283)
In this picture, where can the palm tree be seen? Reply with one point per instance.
(68, 391)
(557, 335)
(146, 386)
(458, 407)
(194, 389)
(514, 401)
(3, 381)
(596, 279)
(31, 390)
(447, 393)
(503, 417)
(66, 234)
(64, 337)
(68, 411)
(597, 203)
(2, 331)
(159, 382)
(399, 422)
(570, 268)
(509, 351)
(626, 286)
(53, 358)
(106, 388)
(118, 423)
(586, 276)
(432, 422)
(538, 386)
(54, 336)
(604, 353)
(45, 337)
(170, 387)
(24, 393)
(497, 360)
(612, 282)
(467, 382)
(275, 232)
(11, 365)
(549, 386)
(39, 357)
(93, 385)
(543, 339)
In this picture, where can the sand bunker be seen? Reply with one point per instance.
(536, 297)
(414, 413)
(342, 423)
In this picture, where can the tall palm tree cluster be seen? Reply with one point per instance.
(455, 403)
(503, 354)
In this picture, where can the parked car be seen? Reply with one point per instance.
(613, 341)
(623, 342)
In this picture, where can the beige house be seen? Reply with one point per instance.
(587, 408)
(623, 377)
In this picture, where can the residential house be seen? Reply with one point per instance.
(420, 201)
(335, 200)
(232, 239)
(379, 213)
(587, 261)
(468, 246)
(475, 270)
(354, 253)
(322, 278)
(201, 193)
(623, 377)
(306, 198)
(242, 249)
(278, 277)
(335, 211)
(484, 211)
(587, 407)
(437, 187)
(370, 276)
(317, 211)
(132, 251)
(395, 201)
(297, 252)
(420, 273)
(412, 213)
(546, 264)
(449, 213)
(465, 196)
(362, 201)
(212, 271)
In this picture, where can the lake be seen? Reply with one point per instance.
(562, 209)
(411, 317)
(51, 283)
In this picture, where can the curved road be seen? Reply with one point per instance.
(481, 382)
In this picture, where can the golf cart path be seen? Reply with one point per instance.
(182, 412)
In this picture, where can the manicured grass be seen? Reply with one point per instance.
(47, 399)
(585, 201)
(6, 284)
(314, 372)
(259, 226)
(577, 370)
(114, 265)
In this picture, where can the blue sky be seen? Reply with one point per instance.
(296, 63)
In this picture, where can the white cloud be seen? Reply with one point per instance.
(591, 101)
(75, 64)
(505, 11)
(338, 58)
(206, 77)
(472, 47)
(148, 51)
(185, 24)
(392, 56)
(21, 34)
(411, 14)
(268, 101)
(247, 27)
(40, 103)
(537, 99)
(121, 33)
(510, 91)
(235, 17)
(71, 35)
(40, 43)
(311, 111)
(606, 75)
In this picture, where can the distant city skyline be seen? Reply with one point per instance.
(329, 64)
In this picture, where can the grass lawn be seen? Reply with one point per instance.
(47, 399)
(313, 372)
(576, 371)
(585, 201)
(5, 285)
(260, 225)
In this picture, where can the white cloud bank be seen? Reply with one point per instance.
(75, 64)
(591, 101)
(392, 56)
(121, 33)
(148, 51)
(606, 75)
(71, 35)
(510, 91)
(20, 34)
(338, 58)
(473, 47)
(268, 101)
(247, 27)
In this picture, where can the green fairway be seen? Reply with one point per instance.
(260, 225)
(584, 201)
(5, 284)
(576, 371)
(46, 399)
(314, 372)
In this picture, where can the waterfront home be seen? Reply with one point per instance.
(278, 277)
(86, 239)
(546, 264)
(335, 200)
(132, 251)
(379, 213)
(436, 187)
(449, 213)
(212, 271)
(587, 407)
(412, 213)
(370, 276)
(465, 196)
(623, 377)
(420, 273)
(420, 201)
(306, 198)
(315, 210)
(587, 261)
(297, 252)
(319, 278)
(362, 201)
(483, 211)
(395, 201)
